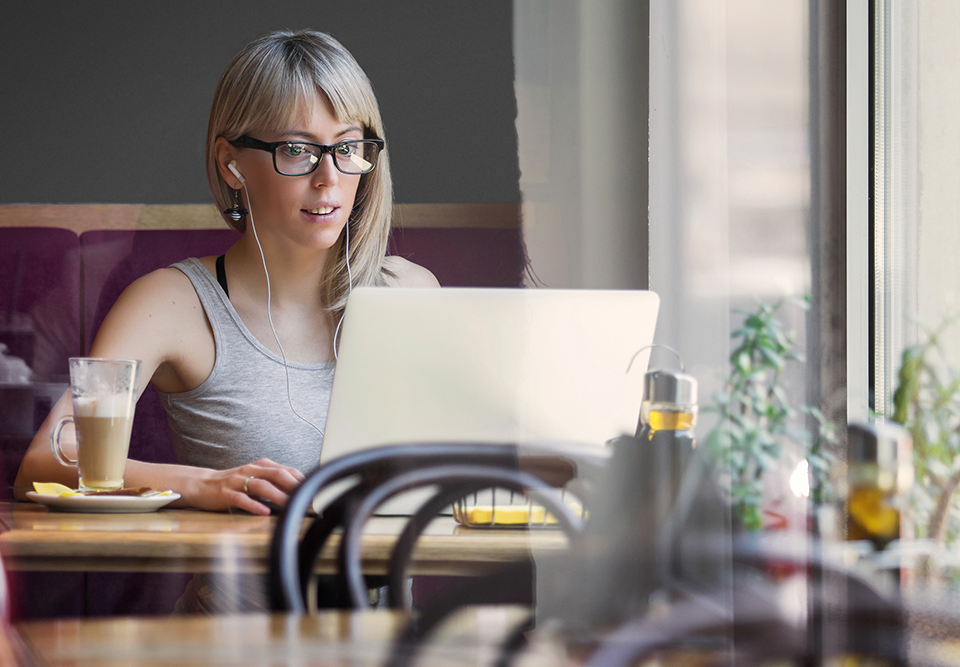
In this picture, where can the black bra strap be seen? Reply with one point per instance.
(222, 276)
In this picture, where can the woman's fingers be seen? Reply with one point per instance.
(247, 503)
(248, 487)
(284, 478)
(265, 480)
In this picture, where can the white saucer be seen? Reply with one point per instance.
(101, 504)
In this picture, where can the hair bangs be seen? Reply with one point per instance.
(345, 88)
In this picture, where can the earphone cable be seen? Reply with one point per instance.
(336, 333)
(286, 372)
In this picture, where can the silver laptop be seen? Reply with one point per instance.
(495, 365)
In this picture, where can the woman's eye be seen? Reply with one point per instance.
(294, 150)
(344, 149)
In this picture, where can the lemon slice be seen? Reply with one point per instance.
(513, 515)
(54, 489)
(508, 515)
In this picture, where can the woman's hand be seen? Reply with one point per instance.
(240, 487)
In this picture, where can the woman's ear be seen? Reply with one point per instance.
(225, 154)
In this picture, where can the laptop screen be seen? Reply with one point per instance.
(488, 365)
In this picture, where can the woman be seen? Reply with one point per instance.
(243, 360)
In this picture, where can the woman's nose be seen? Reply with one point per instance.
(326, 172)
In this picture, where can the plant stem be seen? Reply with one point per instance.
(938, 520)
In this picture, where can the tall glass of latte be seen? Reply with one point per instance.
(104, 397)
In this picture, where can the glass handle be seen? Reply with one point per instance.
(55, 443)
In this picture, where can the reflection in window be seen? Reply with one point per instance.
(730, 185)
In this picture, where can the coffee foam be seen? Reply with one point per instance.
(111, 405)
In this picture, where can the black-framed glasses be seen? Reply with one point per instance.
(299, 158)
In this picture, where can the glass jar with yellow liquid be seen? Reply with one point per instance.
(669, 402)
(879, 474)
(668, 415)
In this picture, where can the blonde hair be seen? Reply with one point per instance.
(264, 88)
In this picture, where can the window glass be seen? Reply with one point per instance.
(730, 191)
(916, 279)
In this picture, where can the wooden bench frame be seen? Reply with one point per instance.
(84, 217)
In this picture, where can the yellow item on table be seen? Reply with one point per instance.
(54, 489)
(507, 515)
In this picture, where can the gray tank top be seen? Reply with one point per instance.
(240, 413)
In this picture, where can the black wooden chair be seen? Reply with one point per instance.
(454, 482)
(374, 476)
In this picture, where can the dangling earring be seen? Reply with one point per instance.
(236, 212)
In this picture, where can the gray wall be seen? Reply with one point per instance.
(107, 102)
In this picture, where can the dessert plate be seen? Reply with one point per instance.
(104, 504)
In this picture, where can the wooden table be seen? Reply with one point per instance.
(32, 538)
(340, 638)
(331, 638)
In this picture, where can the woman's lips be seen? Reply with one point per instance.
(322, 214)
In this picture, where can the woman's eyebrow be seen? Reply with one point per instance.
(313, 138)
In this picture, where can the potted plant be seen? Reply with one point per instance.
(927, 403)
(756, 420)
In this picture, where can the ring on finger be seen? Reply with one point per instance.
(246, 484)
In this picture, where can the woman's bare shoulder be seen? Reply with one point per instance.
(407, 274)
(159, 319)
(159, 284)
(161, 299)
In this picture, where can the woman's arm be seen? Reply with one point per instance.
(160, 321)
(38, 464)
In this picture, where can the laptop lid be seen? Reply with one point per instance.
(488, 365)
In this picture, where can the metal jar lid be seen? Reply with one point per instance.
(664, 386)
(881, 455)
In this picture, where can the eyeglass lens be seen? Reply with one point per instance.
(350, 157)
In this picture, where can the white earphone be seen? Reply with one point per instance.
(236, 172)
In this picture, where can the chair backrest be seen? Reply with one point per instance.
(380, 473)
(454, 481)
